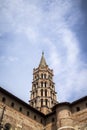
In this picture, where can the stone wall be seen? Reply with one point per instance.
(64, 116)
(18, 120)
(25, 108)
(80, 120)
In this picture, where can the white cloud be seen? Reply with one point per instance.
(71, 78)
(48, 27)
(8, 58)
(12, 59)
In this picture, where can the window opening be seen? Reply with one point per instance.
(45, 84)
(12, 104)
(46, 93)
(42, 76)
(4, 99)
(41, 102)
(41, 84)
(28, 113)
(41, 92)
(34, 117)
(7, 126)
(78, 108)
(46, 101)
(20, 109)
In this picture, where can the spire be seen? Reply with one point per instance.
(42, 61)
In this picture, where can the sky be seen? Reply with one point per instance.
(57, 27)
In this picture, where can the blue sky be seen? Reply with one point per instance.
(57, 27)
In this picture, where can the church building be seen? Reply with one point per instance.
(43, 112)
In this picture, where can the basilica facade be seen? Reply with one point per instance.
(43, 112)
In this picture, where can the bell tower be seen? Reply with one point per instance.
(43, 95)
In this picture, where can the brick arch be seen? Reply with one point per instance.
(8, 126)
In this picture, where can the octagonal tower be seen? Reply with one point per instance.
(43, 95)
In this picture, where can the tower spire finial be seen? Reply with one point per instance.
(42, 52)
(42, 61)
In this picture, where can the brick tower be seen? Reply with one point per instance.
(43, 95)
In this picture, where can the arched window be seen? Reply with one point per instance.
(78, 109)
(7, 126)
(3, 99)
(41, 92)
(45, 84)
(12, 104)
(45, 92)
(28, 113)
(37, 84)
(20, 109)
(34, 117)
(42, 76)
(52, 102)
(41, 102)
(41, 84)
